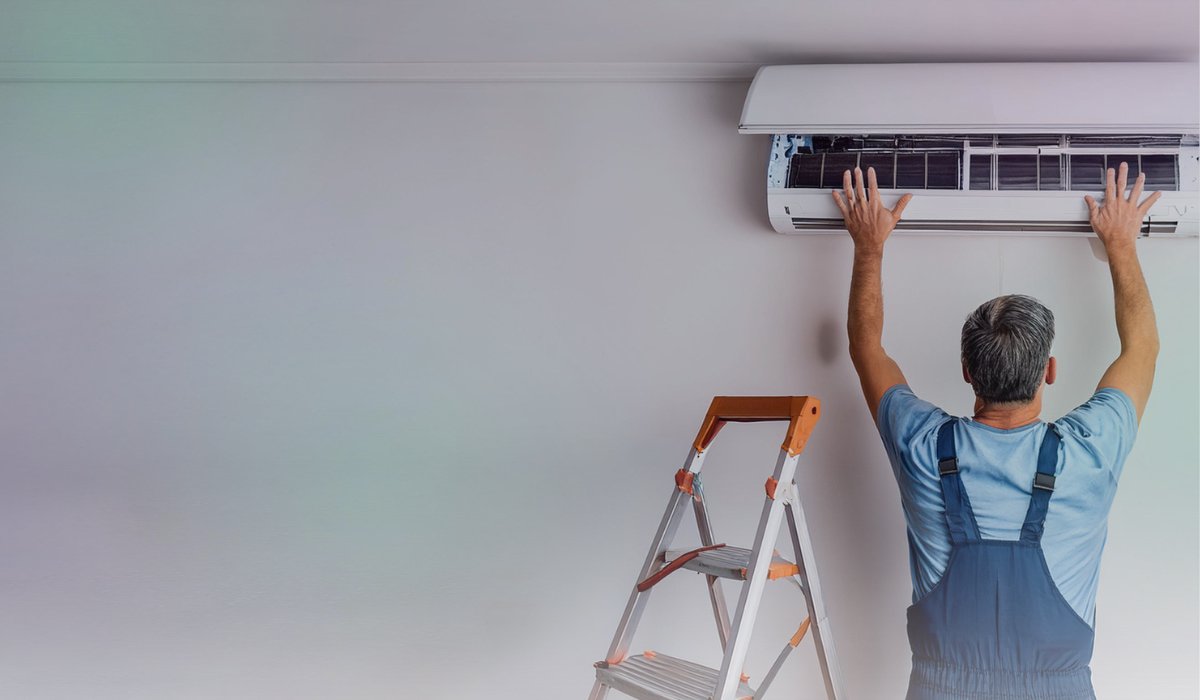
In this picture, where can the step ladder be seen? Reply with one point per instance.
(657, 676)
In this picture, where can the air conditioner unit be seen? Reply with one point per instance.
(1001, 148)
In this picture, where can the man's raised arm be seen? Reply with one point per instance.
(869, 224)
(1116, 223)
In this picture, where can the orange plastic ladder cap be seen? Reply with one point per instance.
(799, 633)
(683, 480)
(781, 569)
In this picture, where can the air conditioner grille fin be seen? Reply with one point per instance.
(1046, 162)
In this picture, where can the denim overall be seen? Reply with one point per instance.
(995, 625)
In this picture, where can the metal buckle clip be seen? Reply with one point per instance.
(1043, 481)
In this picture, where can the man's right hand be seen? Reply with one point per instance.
(1118, 221)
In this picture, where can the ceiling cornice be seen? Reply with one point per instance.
(354, 72)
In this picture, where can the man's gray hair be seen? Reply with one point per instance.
(1005, 347)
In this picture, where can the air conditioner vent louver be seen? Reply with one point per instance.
(965, 226)
(1011, 140)
(1133, 141)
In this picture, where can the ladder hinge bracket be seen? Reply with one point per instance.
(683, 480)
(775, 492)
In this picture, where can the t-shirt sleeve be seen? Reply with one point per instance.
(902, 419)
(1106, 426)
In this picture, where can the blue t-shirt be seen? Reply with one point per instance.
(997, 468)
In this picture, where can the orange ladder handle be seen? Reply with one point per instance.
(799, 634)
(801, 412)
(677, 562)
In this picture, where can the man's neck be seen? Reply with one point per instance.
(1008, 416)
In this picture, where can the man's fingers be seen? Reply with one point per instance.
(872, 184)
(837, 199)
(1137, 188)
(1110, 186)
(899, 208)
(1122, 178)
(1091, 204)
(858, 185)
(848, 185)
(1145, 207)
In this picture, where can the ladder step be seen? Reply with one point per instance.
(655, 676)
(733, 562)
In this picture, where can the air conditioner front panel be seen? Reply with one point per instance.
(1176, 214)
(966, 98)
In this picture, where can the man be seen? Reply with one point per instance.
(1006, 514)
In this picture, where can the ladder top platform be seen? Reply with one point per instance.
(801, 413)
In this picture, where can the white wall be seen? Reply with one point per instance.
(376, 391)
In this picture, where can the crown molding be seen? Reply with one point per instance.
(357, 72)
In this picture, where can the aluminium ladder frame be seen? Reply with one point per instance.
(682, 679)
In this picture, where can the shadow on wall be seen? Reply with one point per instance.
(829, 339)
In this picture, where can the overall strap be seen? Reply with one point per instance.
(959, 516)
(1043, 486)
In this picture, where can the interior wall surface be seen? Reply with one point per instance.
(377, 390)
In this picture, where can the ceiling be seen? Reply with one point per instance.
(755, 31)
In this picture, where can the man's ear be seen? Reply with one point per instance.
(966, 374)
(1051, 370)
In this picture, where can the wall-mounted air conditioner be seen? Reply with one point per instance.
(1007, 148)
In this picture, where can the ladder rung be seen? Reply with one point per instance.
(654, 676)
(733, 562)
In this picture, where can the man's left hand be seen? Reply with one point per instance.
(867, 220)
